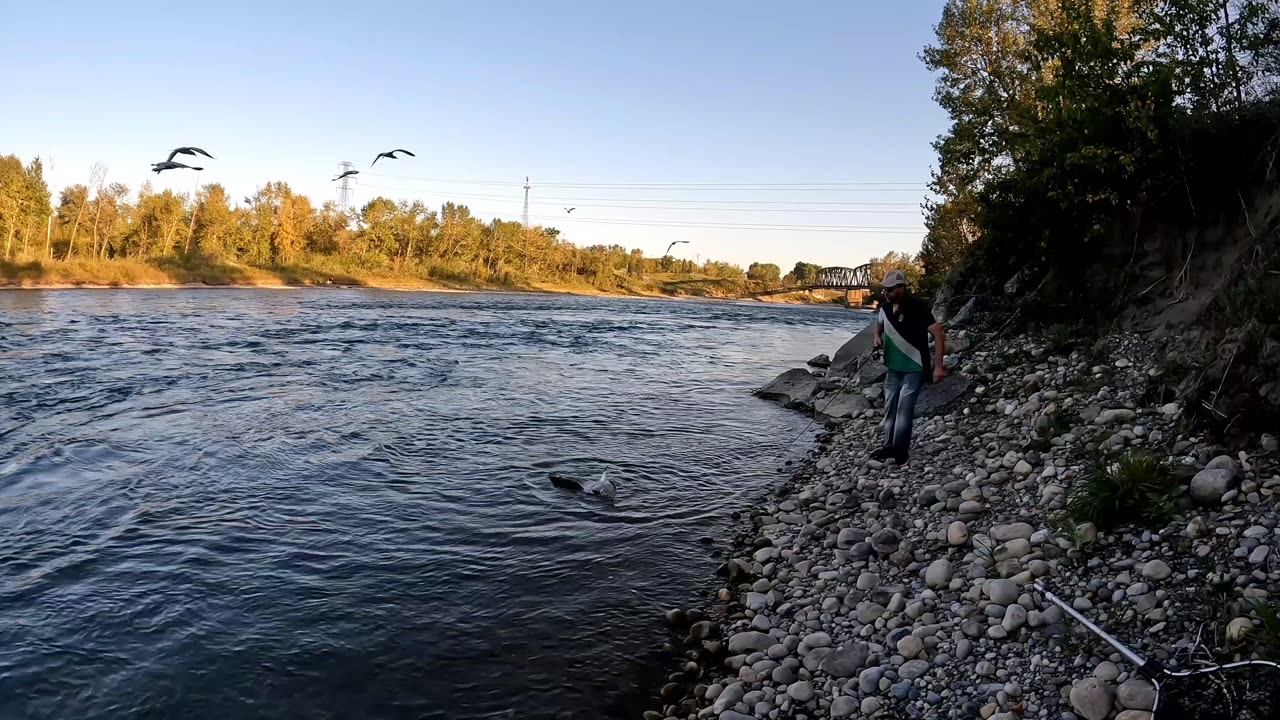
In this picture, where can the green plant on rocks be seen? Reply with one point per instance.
(1267, 641)
(1138, 488)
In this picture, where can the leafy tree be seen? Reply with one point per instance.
(764, 273)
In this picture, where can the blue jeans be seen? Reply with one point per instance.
(901, 390)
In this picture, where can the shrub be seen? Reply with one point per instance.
(1137, 488)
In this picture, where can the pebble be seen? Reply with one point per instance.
(957, 534)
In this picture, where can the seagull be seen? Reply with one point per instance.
(346, 174)
(390, 155)
(569, 210)
(677, 242)
(188, 151)
(170, 165)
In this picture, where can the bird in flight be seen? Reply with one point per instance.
(170, 165)
(188, 151)
(569, 210)
(348, 173)
(673, 244)
(390, 155)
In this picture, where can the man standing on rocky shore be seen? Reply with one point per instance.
(903, 325)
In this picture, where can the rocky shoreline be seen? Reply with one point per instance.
(867, 590)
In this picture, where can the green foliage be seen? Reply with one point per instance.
(767, 273)
(909, 265)
(1267, 642)
(1136, 489)
(1067, 115)
(278, 235)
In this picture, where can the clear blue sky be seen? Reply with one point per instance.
(564, 91)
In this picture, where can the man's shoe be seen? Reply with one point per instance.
(901, 458)
(883, 453)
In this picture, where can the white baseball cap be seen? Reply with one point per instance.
(894, 277)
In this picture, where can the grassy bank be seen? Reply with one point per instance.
(324, 271)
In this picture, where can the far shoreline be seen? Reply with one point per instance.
(772, 300)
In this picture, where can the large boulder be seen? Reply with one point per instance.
(937, 398)
(857, 346)
(793, 387)
(843, 405)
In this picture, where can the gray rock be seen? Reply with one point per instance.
(844, 706)
(910, 646)
(1015, 616)
(937, 398)
(1136, 694)
(1106, 671)
(1259, 554)
(820, 361)
(1156, 570)
(957, 534)
(1092, 698)
(851, 351)
(783, 675)
(1224, 462)
(793, 387)
(913, 669)
(801, 691)
(938, 574)
(1208, 486)
(750, 641)
(843, 405)
(846, 661)
(816, 640)
(870, 706)
(869, 680)
(729, 697)
(1117, 415)
(849, 537)
(869, 613)
(1012, 531)
(1002, 591)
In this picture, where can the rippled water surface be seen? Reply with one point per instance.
(334, 504)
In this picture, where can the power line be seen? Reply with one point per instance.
(731, 226)
(724, 201)
(809, 186)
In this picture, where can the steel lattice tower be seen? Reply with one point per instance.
(344, 190)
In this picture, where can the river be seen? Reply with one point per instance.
(334, 504)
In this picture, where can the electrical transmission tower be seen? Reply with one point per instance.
(344, 190)
(524, 218)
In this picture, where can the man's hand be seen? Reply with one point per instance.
(939, 374)
(879, 343)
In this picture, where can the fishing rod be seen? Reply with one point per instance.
(863, 360)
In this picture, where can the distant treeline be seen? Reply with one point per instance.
(277, 227)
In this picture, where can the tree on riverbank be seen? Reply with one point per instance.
(277, 228)
(1067, 115)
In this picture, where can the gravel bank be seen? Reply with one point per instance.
(868, 590)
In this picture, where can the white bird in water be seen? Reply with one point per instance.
(170, 165)
(569, 210)
(188, 150)
(348, 173)
(677, 242)
(390, 155)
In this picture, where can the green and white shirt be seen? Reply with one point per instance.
(906, 335)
